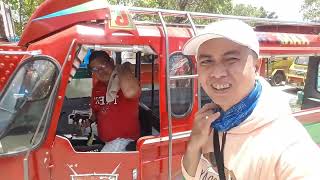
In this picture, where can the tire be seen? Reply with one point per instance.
(277, 79)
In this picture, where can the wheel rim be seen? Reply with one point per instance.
(278, 79)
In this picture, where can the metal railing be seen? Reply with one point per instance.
(198, 15)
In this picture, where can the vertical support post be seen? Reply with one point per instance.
(194, 34)
(192, 24)
(152, 82)
(138, 65)
(165, 30)
(118, 58)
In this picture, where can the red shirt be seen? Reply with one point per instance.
(119, 118)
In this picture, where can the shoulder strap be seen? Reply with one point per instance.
(218, 153)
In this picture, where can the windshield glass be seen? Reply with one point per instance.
(23, 102)
(181, 89)
(302, 60)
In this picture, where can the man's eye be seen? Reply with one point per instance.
(206, 62)
(233, 60)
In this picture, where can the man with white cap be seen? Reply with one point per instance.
(248, 131)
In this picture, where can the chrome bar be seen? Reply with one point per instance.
(168, 24)
(198, 82)
(168, 96)
(152, 82)
(184, 77)
(31, 53)
(128, 48)
(192, 24)
(176, 13)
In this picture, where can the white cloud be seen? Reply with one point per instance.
(285, 9)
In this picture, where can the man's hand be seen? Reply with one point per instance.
(124, 68)
(128, 83)
(199, 137)
(201, 125)
(87, 122)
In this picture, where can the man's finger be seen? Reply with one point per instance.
(204, 114)
(212, 118)
(207, 107)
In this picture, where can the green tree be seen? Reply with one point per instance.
(311, 10)
(252, 11)
(209, 6)
(24, 9)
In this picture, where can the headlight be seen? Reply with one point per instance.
(301, 73)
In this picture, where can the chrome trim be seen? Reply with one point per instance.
(1, 149)
(134, 174)
(99, 176)
(194, 28)
(31, 53)
(175, 136)
(192, 24)
(193, 76)
(128, 48)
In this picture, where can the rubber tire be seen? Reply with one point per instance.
(277, 79)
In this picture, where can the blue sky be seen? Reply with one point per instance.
(285, 9)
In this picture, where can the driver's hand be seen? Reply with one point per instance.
(86, 123)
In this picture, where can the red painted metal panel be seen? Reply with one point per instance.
(308, 116)
(8, 63)
(63, 157)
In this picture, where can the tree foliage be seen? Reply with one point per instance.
(22, 9)
(207, 6)
(252, 11)
(311, 10)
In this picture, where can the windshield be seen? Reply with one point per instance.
(302, 60)
(22, 104)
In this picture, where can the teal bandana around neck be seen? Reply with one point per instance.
(239, 112)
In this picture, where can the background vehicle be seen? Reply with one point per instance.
(298, 72)
(278, 70)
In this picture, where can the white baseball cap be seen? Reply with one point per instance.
(232, 29)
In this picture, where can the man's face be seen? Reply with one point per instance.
(101, 69)
(226, 71)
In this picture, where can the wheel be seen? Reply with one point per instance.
(277, 79)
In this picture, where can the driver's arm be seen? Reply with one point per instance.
(128, 83)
